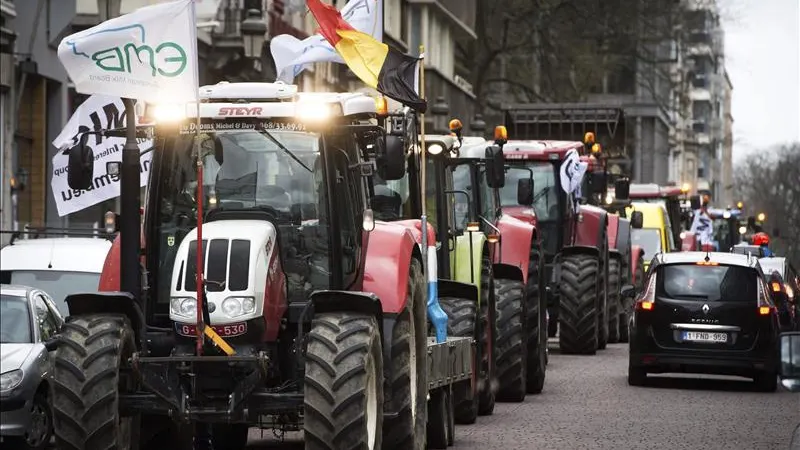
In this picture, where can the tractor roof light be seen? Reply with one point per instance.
(455, 126)
(381, 106)
(589, 138)
(473, 227)
(742, 230)
(596, 148)
(500, 133)
(315, 112)
(686, 188)
(493, 238)
(762, 217)
(168, 112)
(739, 205)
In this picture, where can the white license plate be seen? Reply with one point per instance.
(702, 336)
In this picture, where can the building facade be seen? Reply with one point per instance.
(7, 75)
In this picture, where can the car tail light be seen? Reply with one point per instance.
(647, 301)
(764, 305)
(776, 287)
(764, 310)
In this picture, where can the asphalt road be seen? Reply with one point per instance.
(587, 404)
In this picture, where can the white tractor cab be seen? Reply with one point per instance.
(59, 266)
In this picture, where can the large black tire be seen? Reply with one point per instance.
(343, 404)
(437, 420)
(87, 381)
(578, 313)
(614, 306)
(602, 305)
(625, 315)
(229, 436)
(536, 302)
(512, 340)
(408, 382)
(487, 340)
(462, 321)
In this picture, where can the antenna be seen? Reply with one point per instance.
(708, 256)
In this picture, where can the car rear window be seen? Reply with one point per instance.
(707, 283)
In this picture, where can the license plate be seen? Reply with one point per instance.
(229, 330)
(702, 336)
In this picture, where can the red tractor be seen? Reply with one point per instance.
(587, 251)
(298, 307)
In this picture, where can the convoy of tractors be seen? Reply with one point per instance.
(319, 263)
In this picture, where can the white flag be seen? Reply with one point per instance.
(96, 113)
(149, 54)
(702, 227)
(205, 10)
(292, 55)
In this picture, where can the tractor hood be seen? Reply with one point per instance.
(523, 213)
(238, 256)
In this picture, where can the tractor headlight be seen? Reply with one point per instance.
(183, 306)
(10, 380)
(237, 306)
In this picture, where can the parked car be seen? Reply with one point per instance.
(59, 266)
(29, 322)
(705, 313)
(784, 283)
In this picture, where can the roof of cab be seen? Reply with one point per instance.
(56, 254)
(731, 259)
(539, 150)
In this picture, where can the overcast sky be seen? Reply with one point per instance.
(762, 49)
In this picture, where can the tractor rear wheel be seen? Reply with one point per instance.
(409, 375)
(536, 302)
(89, 373)
(578, 312)
(614, 306)
(343, 404)
(462, 321)
(512, 340)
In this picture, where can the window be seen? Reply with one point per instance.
(545, 197)
(393, 18)
(58, 284)
(708, 283)
(462, 182)
(15, 319)
(48, 326)
(649, 239)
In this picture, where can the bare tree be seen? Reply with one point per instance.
(769, 181)
(566, 50)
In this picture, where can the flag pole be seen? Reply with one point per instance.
(422, 169)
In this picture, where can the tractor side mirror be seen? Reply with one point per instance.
(637, 219)
(390, 157)
(525, 191)
(628, 291)
(495, 167)
(80, 168)
(789, 368)
(695, 202)
(622, 189)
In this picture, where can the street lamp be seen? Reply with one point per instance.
(254, 31)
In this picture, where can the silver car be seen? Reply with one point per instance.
(29, 322)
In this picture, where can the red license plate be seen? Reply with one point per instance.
(229, 330)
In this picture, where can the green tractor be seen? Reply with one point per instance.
(465, 275)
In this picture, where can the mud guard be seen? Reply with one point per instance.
(590, 228)
(450, 288)
(516, 240)
(509, 272)
(110, 277)
(111, 303)
(389, 254)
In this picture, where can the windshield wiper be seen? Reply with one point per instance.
(283, 147)
(544, 191)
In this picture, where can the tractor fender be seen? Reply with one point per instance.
(111, 303)
(516, 239)
(389, 254)
(624, 237)
(110, 277)
(415, 227)
(613, 229)
(466, 259)
(636, 253)
(591, 224)
(450, 288)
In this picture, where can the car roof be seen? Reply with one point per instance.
(730, 259)
(56, 254)
(15, 290)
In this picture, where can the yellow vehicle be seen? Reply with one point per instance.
(656, 235)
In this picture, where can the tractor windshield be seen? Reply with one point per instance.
(545, 197)
(275, 171)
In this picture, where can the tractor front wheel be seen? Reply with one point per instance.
(88, 375)
(578, 309)
(512, 341)
(343, 405)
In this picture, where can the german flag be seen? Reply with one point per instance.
(391, 72)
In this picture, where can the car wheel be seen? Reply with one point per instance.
(766, 381)
(637, 376)
(40, 428)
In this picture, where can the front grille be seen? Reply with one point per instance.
(223, 269)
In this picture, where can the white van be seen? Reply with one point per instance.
(59, 266)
